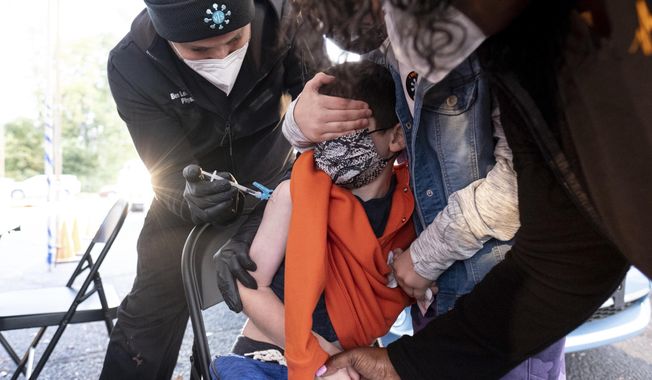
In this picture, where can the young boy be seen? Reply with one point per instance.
(325, 237)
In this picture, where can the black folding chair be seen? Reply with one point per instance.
(60, 306)
(200, 284)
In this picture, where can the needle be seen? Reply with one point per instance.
(247, 190)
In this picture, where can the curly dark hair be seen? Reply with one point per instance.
(349, 19)
(531, 46)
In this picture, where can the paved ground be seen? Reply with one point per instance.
(80, 352)
(629, 360)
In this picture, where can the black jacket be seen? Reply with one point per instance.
(584, 182)
(176, 118)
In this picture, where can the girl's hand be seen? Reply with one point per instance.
(410, 281)
(341, 374)
(327, 346)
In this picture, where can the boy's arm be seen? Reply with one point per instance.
(261, 305)
(485, 209)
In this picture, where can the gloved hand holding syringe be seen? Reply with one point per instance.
(263, 194)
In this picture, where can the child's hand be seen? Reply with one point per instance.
(341, 374)
(330, 348)
(410, 281)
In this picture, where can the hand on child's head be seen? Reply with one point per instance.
(322, 117)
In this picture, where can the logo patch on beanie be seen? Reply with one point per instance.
(219, 16)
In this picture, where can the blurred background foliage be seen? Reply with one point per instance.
(95, 141)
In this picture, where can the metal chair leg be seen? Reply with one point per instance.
(14, 356)
(23, 361)
(105, 307)
(195, 370)
(48, 351)
(109, 324)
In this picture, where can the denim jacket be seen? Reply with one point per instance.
(450, 144)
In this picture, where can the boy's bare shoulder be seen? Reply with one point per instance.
(281, 192)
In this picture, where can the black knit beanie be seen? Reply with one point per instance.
(192, 20)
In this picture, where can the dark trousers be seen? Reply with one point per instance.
(152, 318)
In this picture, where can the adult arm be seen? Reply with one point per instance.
(292, 132)
(522, 306)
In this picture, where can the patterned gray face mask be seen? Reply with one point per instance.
(352, 161)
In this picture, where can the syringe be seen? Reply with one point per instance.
(257, 194)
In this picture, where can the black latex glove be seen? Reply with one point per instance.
(214, 201)
(233, 261)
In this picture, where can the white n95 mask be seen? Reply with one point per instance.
(221, 73)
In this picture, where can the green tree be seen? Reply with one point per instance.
(23, 148)
(95, 142)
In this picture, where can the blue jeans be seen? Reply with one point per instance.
(236, 367)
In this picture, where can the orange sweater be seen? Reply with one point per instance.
(331, 248)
